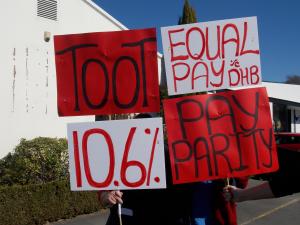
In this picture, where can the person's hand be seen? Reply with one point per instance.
(260, 191)
(110, 198)
(231, 193)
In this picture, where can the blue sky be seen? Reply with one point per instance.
(278, 25)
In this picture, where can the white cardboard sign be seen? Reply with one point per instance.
(211, 55)
(119, 154)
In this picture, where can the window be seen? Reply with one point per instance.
(47, 9)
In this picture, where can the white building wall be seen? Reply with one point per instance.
(289, 93)
(295, 115)
(271, 109)
(27, 69)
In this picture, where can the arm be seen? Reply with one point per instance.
(235, 194)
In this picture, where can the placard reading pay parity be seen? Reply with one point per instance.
(212, 55)
(120, 154)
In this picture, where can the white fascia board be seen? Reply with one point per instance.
(109, 17)
(288, 92)
(282, 91)
(106, 14)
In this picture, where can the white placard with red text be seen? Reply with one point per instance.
(119, 154)
(211, 55)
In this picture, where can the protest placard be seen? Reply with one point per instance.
(211, 55)
(220, 135)
(107, 72)
(117, 155)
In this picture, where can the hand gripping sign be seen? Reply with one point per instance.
(212, 55)
(120, 154)
(107, 72)
(220, 135)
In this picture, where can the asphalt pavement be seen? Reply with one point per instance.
(276, 211)
(279, 211)
(98, 218)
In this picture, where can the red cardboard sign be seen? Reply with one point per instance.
(107, 72)
(220, 135)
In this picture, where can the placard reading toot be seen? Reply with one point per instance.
(212, 55)
(221, 135)
(107, 72)
(120, 154)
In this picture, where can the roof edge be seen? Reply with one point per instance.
(283, 101)
(111, 18)
(277, 82)
(106, 14)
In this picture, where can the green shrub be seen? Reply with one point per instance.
(35, 161)
(36, 204)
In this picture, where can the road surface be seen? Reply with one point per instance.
(278, 211)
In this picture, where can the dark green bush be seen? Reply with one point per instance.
(35, 161)
(36, 204)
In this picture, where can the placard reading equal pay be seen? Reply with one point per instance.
(211, 55)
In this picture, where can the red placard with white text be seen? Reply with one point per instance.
(220, 135)
(211, 55)
(118, 154)
(107, 72)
